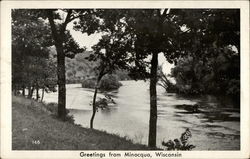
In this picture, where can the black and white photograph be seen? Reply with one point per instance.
(141, 81)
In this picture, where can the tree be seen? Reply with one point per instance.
(30, 52)
(155, 31)
(111, 51)
(62, 39)
(212, 44)
(151, 31)
(65, 46)
(176, 33)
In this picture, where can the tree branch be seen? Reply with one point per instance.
(160, 84)
(165, 12)
(67, 20)
(73, 18)
(101, 74)
(52, 24)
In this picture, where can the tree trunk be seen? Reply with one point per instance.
(94, 105)
(31, 90)
(37, 93)
(23, 92)
(58, 38)
(153, 102)
(42, 94)
(61, 83)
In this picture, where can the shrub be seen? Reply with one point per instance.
(89, 83)
(180, 144)
(52, 108)
(108, 82)
(103, 103)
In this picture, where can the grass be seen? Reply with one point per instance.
(34, 127)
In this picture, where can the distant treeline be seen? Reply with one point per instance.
(80, 69)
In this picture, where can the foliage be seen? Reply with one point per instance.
(180, 144)
(53, 109)
(32, 67)
(108, 82)
(164, 81)
(89, 83)
(65, 47)
(219, 75)
(111, 51)
(122, 75)
(33, 35)
(212, 64)
(79, 68)
(140, 33)
(154, 31)
(196, 40)
(102, 103)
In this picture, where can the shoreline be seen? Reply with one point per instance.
(34, 127)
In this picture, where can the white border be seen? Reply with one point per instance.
(5, 68)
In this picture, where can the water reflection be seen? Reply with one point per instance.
(214, 126)
(210, 114)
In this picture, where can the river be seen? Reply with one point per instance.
(215, 127)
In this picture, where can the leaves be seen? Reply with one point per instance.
(181, 144)
(31, 41)
(71, 47)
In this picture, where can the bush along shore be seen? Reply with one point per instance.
(109, 82)
(36, 127)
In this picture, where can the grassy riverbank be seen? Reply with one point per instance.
(34, 127)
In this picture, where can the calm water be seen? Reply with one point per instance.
(215, 127)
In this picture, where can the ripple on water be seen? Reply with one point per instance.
(214, 127)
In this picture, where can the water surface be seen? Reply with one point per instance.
(215, 127)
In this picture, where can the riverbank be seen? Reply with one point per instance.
(35, 128)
